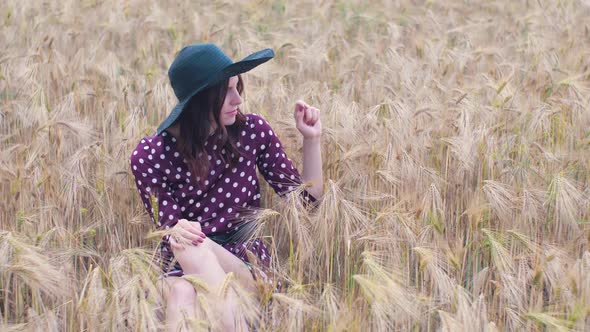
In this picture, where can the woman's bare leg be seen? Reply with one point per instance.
(180, 298)
(230, 263)
(201, 260)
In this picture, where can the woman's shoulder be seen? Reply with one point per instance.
(256, 123)
(150, 148)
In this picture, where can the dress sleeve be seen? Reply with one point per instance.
(274, 165)
(153, 187)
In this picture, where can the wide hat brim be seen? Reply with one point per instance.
(239, 67)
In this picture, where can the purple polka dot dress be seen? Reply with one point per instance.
(162, 176)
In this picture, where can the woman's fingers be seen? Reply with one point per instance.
(191, 226)
(174, 244)
(300, 105)
(197, 228)
(316, 115)
(312, 116)
(191, 237)
(186, 232)
(308, 115)
(184, 237)
(299, 116)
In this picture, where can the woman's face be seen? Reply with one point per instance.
(227, 116)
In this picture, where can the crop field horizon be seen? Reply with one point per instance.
(455, 147)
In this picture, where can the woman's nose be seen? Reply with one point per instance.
(237, 100)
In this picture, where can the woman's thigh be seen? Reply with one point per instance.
(170, 285)
(200, 260)
(230, 263)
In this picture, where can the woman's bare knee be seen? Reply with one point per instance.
(199, 260)
(231, 263)
(181, 292)
(180, 298)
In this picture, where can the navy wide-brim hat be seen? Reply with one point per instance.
(200, 66)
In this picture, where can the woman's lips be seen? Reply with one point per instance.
(234, 112)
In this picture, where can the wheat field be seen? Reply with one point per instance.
(456, 153)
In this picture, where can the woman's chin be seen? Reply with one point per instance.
(229, 122)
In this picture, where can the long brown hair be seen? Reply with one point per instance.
(195, 126)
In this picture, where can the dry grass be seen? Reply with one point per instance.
(456, 139)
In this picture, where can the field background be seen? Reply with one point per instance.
(455, 150)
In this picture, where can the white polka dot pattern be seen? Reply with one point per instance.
(274, 165)
(159, 169)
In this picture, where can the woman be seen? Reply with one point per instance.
(197, 175)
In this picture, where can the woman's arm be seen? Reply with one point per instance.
(154, 190)
(312, 166)
(308, 122)
(272, 161)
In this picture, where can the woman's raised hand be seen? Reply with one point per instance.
(307, 120)
(186, 232)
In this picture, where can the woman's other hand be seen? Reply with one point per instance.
(307, 120)
(186, 232)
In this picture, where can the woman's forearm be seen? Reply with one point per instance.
(312, 166)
